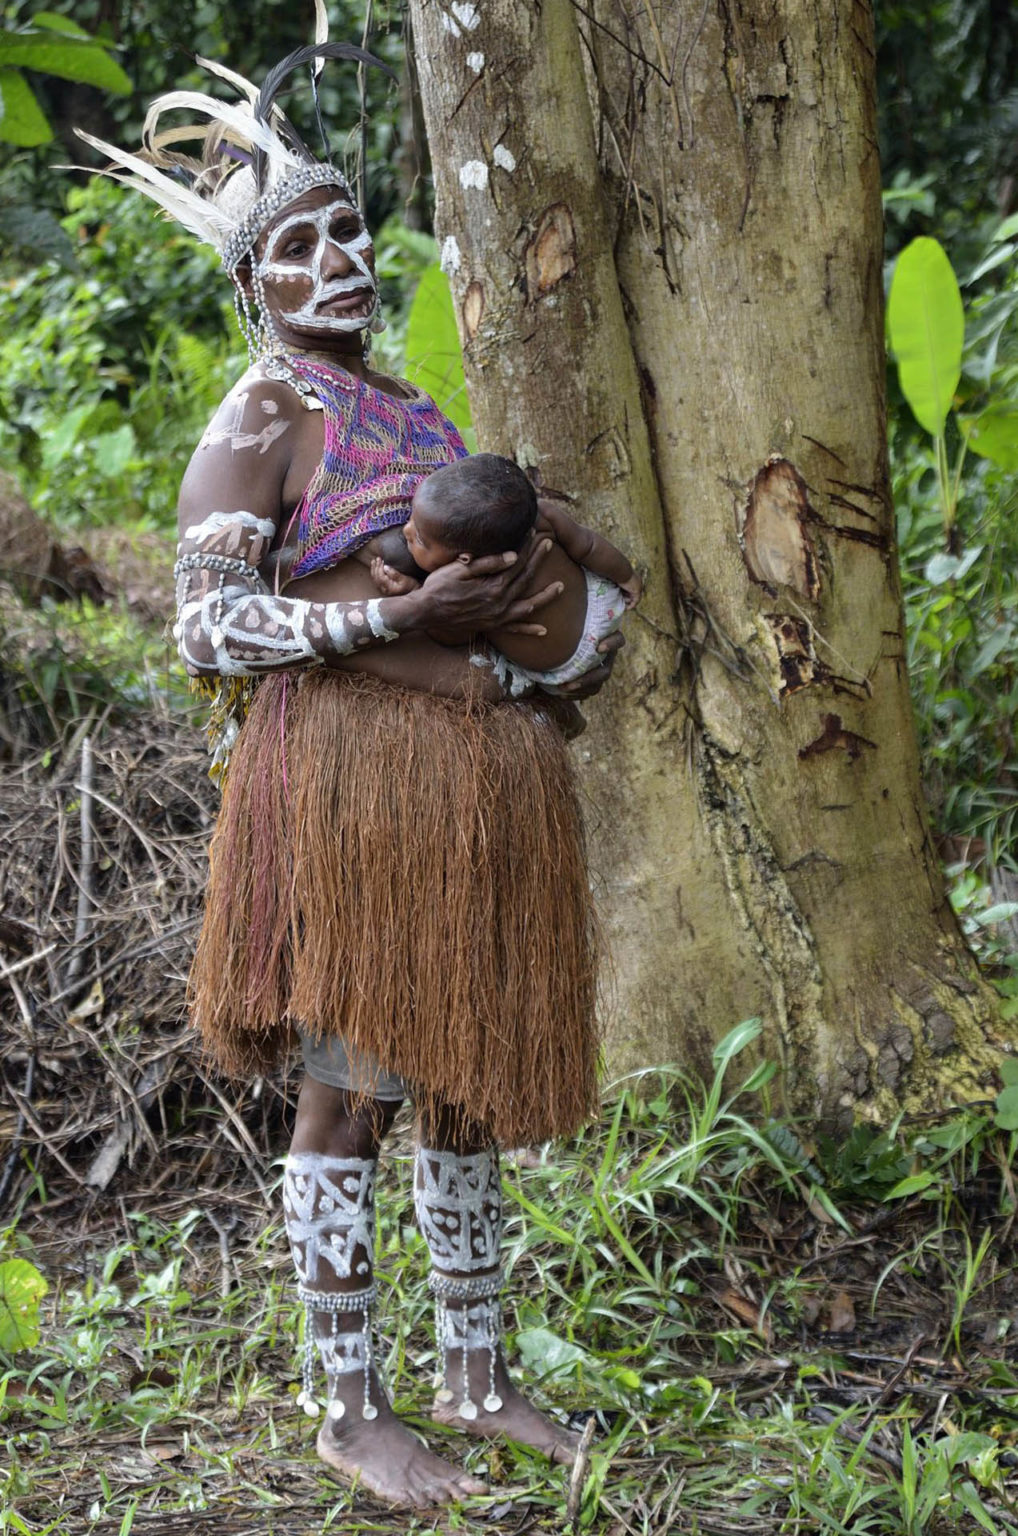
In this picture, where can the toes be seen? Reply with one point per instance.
(467, 1485)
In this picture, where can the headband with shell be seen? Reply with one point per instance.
(242, 165)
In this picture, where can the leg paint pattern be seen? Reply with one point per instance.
(329, 1207)
(459, 1210)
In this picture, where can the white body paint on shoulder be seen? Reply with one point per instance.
(233, 434)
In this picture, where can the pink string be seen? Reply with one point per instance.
(282, 737)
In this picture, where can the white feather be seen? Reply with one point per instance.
(321, 32)
(195, 213)
(225, 73)
(239, 119)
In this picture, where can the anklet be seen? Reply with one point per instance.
(476, 1325)
(344, 1351)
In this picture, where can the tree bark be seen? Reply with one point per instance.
(661, 223)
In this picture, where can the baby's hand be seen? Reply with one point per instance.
(391, 583)
(633, 589)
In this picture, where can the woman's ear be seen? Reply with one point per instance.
(242, 277)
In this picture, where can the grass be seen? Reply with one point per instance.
(764, 1353)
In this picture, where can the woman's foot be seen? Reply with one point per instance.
(517, 1419)
(383, 1457)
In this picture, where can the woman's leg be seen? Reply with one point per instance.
(458, 1198)
(328, 1200)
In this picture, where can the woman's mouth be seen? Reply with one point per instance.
(346, 303)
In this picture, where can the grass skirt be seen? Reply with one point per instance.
(407, 872)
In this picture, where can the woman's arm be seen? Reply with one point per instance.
(230, 623)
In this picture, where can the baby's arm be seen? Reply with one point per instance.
(589, 549)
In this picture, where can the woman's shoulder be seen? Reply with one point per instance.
(264, 381)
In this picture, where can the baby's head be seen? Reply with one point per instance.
(480, 505)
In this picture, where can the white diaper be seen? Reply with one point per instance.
(606, 605)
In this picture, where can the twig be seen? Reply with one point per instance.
(85, 902)
(825, 1416)
(7, 971)
(890, 1386)
(25, 1109)
(578, 1475)
(14, 1155)
(223, 1233)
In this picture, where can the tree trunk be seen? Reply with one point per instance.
(662, 228)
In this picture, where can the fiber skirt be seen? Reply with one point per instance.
(406, 872)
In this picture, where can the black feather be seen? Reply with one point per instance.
(279, 74)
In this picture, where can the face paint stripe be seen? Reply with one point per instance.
(307, 313)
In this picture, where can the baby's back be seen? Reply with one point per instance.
(563, 617)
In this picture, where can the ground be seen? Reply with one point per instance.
(755, 1363)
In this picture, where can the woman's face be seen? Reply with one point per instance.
(315, 262)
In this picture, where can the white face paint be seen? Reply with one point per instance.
(296, 252)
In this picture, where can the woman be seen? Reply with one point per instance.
(398, 870)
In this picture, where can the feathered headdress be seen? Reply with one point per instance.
(243, 163)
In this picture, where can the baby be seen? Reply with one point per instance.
(482, 505)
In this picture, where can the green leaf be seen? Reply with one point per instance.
(56, 23)
(926, 323)
(1008, 230)
(434, 359)
(66, 57)
(1009, 1071)
(114, 450)
(22, 120)
(910, 1186)
(22, 1287)
(760, 1076)
(35, 234)
(965, 1447)
(1006, 1115)
(544, 1352)
(994, 434)
(736, 1040)
(63, 437)
(944, 567)
(1001, 912)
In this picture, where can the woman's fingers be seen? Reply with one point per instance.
(523, 607)
(583, 687)
(611, 643)
(530, 558)
(486, 593)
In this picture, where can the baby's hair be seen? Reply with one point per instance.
(486, 504)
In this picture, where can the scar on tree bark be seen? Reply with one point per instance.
(833, 736)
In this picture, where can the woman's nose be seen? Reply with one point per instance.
(335, 260)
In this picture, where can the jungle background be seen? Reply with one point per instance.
(768, 1330)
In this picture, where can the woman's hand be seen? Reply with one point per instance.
(491, 592)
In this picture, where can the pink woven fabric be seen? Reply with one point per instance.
(377, 451)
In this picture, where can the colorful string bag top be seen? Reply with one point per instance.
(377, 451)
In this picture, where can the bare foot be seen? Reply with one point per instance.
(517, 1419)
(382, 1456)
